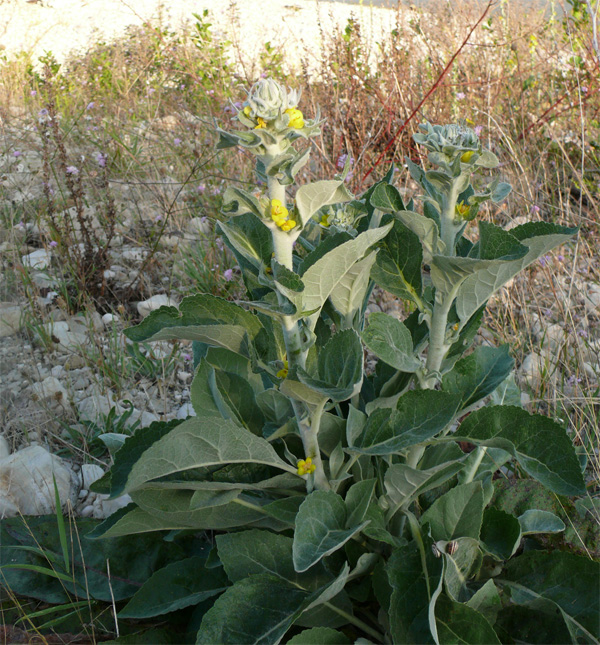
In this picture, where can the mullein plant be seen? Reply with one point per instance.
(343, 505)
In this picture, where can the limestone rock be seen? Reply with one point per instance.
(10, 318)
(68, 337)
(39, 259)
(27, 484)
(153, 303)
(4, 448)
(90, 473)
(51, 390)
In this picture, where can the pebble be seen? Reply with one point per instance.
(87, 511)
(155, 302)
(39, 259)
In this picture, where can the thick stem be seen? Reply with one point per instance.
(310, 440)
(449, 229)
(472, 468)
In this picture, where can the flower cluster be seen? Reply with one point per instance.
(306, 466)
(341, 216)
(280, 215)
(269, 104)
(283, 372)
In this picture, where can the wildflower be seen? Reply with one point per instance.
(560, 258)
(296, 118)
(90, 105)
(177, 141)
(535, 209)
(582, 333)
(306, 466)
(460, 96)
(17, 153)
(228, 275)
(200, 188)
(544, 260)
(463, 210)
(466, 156)
(261, 123)
(280, 215)
(72, 170)
(219, 243)
(341, 161)
(53, 244)
(187, 357)
(33, 93)
(101, 159)
(283, 372)
(478, 129)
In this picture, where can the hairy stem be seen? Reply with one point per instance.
(472, 469)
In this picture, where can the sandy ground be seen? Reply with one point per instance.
(66, 27)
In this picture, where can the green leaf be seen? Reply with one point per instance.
(36, 570)
(486, 601)
(487, 159)
(349, 294)
(320, 528)
(276, 407)
(540, 445)
(311, 197)
(249, 238)
(495, 243)
(207, 498)
(419, 415)
(358, 498)
(260, 609)
(449, 272)
(340, 365)
(426, 230)
(390, 341)
(478, 374)
(200, 442)
(536, 521)
(129, 453)
(322, 277)
(238, 395)
(404, 484)
(500, 533)
(413, 578)
(538, 237)
(462, 565)
(398, 265)
(286, 278)
(386, 198)
(545, 581)
(319, 636)
(203, 318)
(178, 585)
(459, 624)
(501, 192)
(237, 201)
(457, 513)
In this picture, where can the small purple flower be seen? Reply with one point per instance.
(33, 93)
(216, 191)
(460, 96)
(90, 105)
(573, 379)
(151, 90)
(478, 129)
(219, 243)
(187, 357)
(203, 219)
(582, 333)
(17, 153)
(158, 218)
(200, 188)
(584, 89)
(53, 244)
(228, 275)
(560, 258)
(72, 170)
(341, 161)
(548, 313)
(101, 159)
(535, 209)
(177, 141)
(544, 260)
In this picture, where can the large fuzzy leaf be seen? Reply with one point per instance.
(178, 585)
(459, 624)
(390, 340)
(538, 237)
(457, 513)
(349, 294)
(320, 528)
(311, 197)
(197, 443)
(539, 444)
(260, 609)
(419, 415)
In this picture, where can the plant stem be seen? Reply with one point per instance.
(471, 470)
(449, 229)
(310, 441)
(378, 636)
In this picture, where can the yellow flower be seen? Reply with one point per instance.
(288, 225)
(261, 123)
(466, 156)
(306, 467)
(247, 110)
(324, 221)
(283, 372)
(463, 210)
(296, 118)
(280, 215)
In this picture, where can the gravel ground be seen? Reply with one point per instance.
(65, 27)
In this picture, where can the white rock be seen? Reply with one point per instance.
(109, 319)
(199, 225)
(134, 254)
(592, 299)
(4, 448)
(184, 376)
(96, 405)
(44, 281)
(83, 493)
(553, 337)
(153, 303)
(87, 511)
(67, 338)
(185, 411)
(534, 368)
(39, 259)
(58, 371)
(50, 388)
(11, 316)
(90, 473)
(108, 274)
(27, 485)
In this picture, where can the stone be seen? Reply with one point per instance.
(105, 507)
(96, 405)
(147, 306)
(90, 473)
(44, 281)
(553, 338)
(4, 448)
(11, 317)
(75, 362)
(68, 336)
(39, 259)
(87, 511)
(592, 299)
(50, 389)
(109, 319)
(27, 482)
(134, 254)
(185, 411)
(199, 226)
(534, 368)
